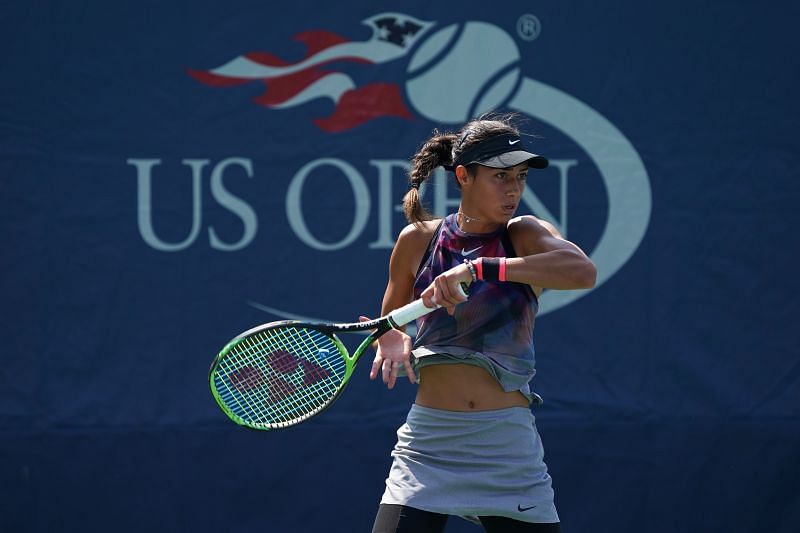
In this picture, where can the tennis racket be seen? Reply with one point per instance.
(282, 373)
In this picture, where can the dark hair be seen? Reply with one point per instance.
(443, 149)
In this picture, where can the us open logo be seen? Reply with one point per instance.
(486, 61)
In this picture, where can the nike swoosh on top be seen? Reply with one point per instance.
(468, 252)
(522, 509)
(513, 142)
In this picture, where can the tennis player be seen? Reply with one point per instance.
(469, 446)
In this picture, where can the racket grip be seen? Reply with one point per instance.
(417, 308)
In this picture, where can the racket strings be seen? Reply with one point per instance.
(268, 398)
(280, 376)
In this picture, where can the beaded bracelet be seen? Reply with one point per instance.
(471, 269)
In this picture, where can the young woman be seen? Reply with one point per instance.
(470, 446)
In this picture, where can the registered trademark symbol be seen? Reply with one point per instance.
(528, 27)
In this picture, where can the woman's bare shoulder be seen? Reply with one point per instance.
(407, 254)
(416, 235)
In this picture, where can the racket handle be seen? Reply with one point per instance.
(414, 310)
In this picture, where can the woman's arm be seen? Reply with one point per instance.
(394, 347)
(545, 259)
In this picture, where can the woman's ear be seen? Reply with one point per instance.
(461, 174)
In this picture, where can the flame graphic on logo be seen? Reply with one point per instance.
(293, 84)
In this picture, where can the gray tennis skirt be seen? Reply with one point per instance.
(470, 464)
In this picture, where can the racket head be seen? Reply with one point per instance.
(279, 374)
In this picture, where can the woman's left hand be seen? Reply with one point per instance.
(392, 350)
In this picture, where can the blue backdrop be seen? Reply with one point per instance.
(172, 173)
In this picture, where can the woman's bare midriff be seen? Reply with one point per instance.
(464, 388)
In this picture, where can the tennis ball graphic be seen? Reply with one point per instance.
(462, 71)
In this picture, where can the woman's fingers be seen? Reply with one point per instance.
(376, 366)
(389, 373)
(412, 377)
(447, 293)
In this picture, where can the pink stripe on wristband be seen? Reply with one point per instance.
(479, 267)
(502, 275)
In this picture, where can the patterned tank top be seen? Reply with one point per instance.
(495, 325)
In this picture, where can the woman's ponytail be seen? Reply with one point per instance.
(437, 151)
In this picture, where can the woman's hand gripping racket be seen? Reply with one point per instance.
(282, 373)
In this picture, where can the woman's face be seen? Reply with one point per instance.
(493, 194)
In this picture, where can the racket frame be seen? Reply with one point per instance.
(394, 320)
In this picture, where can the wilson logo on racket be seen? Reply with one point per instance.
(250, 377)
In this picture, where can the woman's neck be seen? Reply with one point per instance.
(473, 224)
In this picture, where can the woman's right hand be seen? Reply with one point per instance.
(447, 289)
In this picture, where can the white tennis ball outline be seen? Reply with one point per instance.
(483, 87)
(622, 170)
